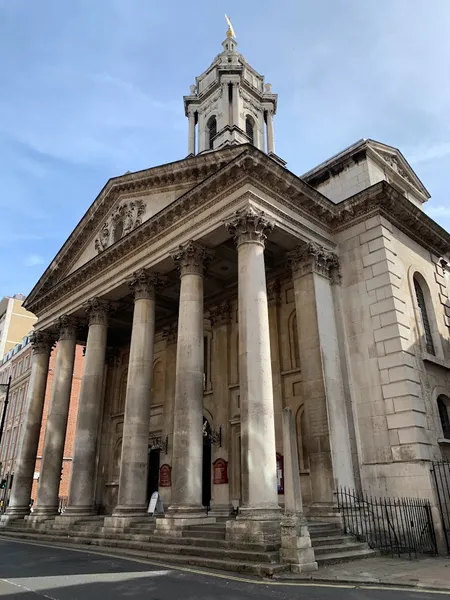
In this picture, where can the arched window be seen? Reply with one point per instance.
(293, 341)
(212, 131)
(120, 399)
(443, 406)
(250, 128)
(158, 383)
(424, 317)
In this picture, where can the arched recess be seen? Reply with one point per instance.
(425, 314)
(211, 131)
(250, 128)
(443, 404)
(115, 471)
(302, 439)
(294, 351)
(122, 393)
(158, 383)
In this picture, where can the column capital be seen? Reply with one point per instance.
(249, 225)
(67, 327)
(97, 310)
(192, 258)
(143, 284)
(312, 257)
(170, 333)
(220, 314)
(42, 342)
(274, 292)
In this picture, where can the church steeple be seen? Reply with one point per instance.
(230, 104)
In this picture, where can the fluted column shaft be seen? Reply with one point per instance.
(187, 456)
(82, 483)
(55, 432)
(132, 497)
(259, 484)
(19, 504)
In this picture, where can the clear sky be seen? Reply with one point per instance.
(93, 88)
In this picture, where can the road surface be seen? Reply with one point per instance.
(31, 571)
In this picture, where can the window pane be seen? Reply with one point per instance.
(424, 316)
(444, 416)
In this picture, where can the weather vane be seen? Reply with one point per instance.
(230, 32)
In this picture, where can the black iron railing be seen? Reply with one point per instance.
(392, 525)
(441, 473)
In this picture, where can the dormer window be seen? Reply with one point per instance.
(250, 128)
(212, 131)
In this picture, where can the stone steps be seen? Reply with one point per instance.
(226, 562)
(204, 542)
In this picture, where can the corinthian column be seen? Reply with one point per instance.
(132, 498)
(55, 432)
(19, 504)
(186, 499)
(259, 486)
(314, 270)
(82, 483)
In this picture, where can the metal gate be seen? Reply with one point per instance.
(441, 473)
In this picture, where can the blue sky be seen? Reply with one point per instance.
(91, 89)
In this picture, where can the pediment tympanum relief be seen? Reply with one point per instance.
(126, 217)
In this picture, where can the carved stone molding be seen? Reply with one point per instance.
(249, 225)
(192, 258)
(126, 217)
(274, 292)
(220, 314)
(42, 342)
(97, 311)
(312, 257)
(170, 333)
(67, 327)
(143, 284)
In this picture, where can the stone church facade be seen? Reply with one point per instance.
(212, 292)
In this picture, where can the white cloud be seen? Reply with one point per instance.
(438, 211)
(33, 259)
(429, 153)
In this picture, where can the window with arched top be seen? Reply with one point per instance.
(294, 350)
(444, 415)
(424, 317)
(120, 399)
(212, 131)
(250, 128)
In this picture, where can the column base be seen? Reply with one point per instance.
(13, 513)
(79, 512)
(296, 549)
(255, 526)
(43, 512)
(179, 517)
(33, 519)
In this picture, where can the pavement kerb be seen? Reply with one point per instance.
(294, 581)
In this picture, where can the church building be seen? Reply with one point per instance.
(212, 292)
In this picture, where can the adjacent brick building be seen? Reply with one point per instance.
(17, 363)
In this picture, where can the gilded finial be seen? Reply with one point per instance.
(230, 31)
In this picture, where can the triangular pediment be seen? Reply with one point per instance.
(398, 166)
(124, 204)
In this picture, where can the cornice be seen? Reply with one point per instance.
(252, 166)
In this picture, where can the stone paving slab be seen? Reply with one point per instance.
(426, 573)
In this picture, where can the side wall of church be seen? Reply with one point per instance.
(394, 382)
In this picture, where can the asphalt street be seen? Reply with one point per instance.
(30, 571)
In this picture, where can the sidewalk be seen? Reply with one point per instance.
(431, 573)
